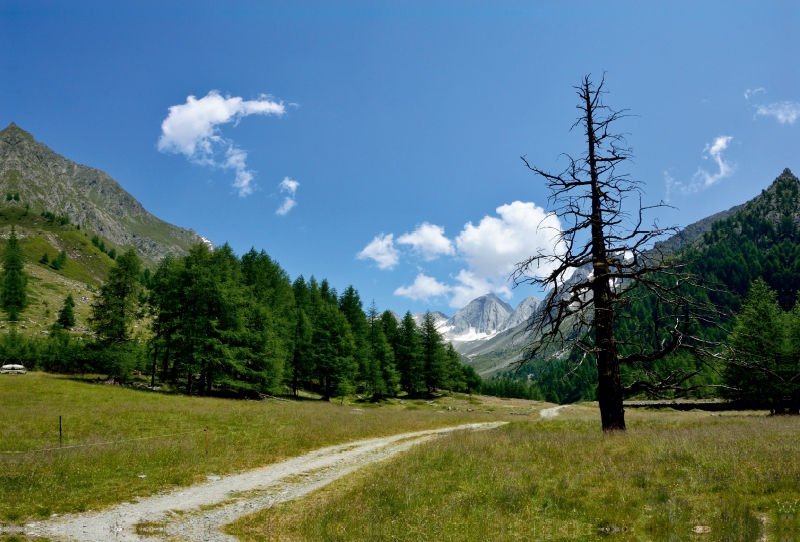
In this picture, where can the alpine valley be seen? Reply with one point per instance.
(60, 207)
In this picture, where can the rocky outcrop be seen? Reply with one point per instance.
(523, 312)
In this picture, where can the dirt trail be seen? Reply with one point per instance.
(207, 507)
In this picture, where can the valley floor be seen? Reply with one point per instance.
(546, 473)
(674, 477)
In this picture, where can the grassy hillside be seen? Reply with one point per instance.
(243, 435)
(84, 271)
(674, 476)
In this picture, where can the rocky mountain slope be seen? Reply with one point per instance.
(58, 207)
(439, 317)
(48, 182)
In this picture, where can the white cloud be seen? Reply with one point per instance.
(785, 112)
(192, 129)
(382, 250)
(429, 241)
(290, 186)
(702, 179)
(753, 92)
(423, 288)
(491, 249)
(471, 286)
(286, 206)
(494, 247)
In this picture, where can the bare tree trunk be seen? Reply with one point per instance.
(609, 387)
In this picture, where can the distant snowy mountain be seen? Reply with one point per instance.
(480, 319)
(439, 317)
(522, 313)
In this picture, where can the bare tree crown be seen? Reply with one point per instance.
(603, 260)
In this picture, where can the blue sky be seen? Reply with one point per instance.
(364, 120)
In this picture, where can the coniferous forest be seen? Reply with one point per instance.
(214, 323)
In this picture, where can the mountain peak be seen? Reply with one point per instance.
(91, 199)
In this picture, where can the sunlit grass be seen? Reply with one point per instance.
(242, 435)
(737, 477)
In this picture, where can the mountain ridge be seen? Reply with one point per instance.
(90, 198)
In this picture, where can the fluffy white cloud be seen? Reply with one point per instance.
(471, 286)
(381, 249)
(192, 129)
(429, 241)
(287, 205)
(785, 112)
(423, 288)
(494, 247)
(289, 186)
(491, 249)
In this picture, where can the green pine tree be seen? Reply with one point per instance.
(381, 355)
(433, 354)
(472, 380)
(115, 308)
(368, 378)
(66, 316)
(765, 342)
(454, 370)
(13, 297)
(407, 355)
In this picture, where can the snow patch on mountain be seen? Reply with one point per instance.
(484, 317)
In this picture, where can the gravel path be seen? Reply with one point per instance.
(207, 507)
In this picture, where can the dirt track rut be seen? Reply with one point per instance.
(205, 508)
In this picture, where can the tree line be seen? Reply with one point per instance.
(212, 322)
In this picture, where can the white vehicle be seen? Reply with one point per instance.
(12, 370)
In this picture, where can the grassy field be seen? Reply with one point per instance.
(673, 477)
(243, 435)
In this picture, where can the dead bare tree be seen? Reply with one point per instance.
(604, 261)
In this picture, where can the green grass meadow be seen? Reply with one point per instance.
(673, 477)
(242, 435)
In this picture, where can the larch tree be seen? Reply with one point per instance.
(433, 356)
(113, 313)
(602, 260)
(116, 307)
(407, 355)
(766, 346)
(66, 315)
(14, 280)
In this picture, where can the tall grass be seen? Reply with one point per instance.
(243, 435)
(561, 479)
